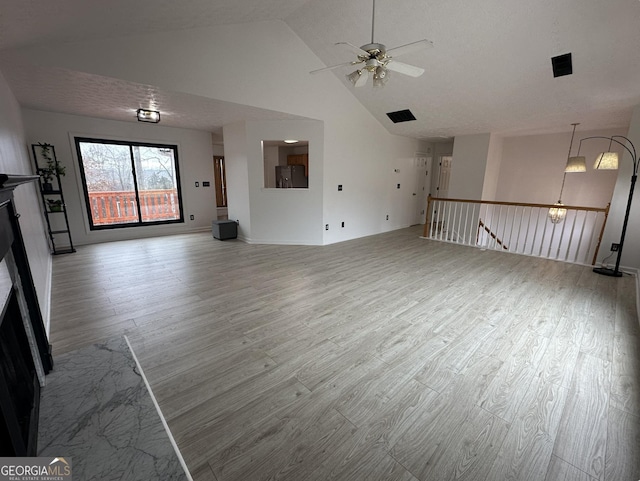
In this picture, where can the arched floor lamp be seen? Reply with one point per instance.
(609, 161)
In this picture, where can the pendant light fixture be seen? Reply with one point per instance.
(557, 213)
(578, 163)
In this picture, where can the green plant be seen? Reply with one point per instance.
(55, 205)
(52, 167)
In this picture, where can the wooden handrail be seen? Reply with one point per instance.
(453, 205)
(519, 204)
(493, 236)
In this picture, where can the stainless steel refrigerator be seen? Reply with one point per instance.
(291, 177)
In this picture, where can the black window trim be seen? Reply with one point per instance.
(130, 144)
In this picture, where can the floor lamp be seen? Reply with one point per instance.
(609, 161)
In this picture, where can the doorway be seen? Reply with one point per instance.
(444, 174)
(422, 187)
(220, 181)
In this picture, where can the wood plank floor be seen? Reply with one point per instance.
(384, 358)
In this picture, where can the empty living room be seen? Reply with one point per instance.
(301, 240)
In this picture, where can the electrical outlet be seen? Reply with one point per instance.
(339, 187)
(398, 186)
(615, 247)
(192, 217)
(387, 216)
(326, 227)
(343, 224)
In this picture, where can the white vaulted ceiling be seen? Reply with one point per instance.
(489, 69)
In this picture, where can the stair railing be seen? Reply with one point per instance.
(482, 225)
(521, 228)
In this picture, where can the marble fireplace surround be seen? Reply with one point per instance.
(97, 410)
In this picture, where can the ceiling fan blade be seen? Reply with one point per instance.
(354, 49)
(410, 47)
(362, 80)
(405, 68)
(335, 66)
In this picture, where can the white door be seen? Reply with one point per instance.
(444, 174)
(422, 187)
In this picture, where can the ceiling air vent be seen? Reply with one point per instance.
(562, 65)
(401, 116)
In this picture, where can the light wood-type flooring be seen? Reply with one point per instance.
(384, 358)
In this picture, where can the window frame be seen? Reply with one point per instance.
(130, 144)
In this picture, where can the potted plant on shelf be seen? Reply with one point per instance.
(51, 169)
(55, 205)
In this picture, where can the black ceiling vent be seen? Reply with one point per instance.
(562, 65)
(401, 116)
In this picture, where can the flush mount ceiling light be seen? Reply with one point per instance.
(145, 115)
(375, 61)
(291, 141)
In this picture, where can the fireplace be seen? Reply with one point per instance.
(25, 354)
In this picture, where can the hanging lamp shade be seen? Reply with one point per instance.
(606, 161)
(576, 164)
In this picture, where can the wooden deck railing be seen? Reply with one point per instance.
(524, 228)
(113, 207)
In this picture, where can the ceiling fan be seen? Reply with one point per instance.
(375, 61)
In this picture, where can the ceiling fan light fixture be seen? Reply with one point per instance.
(380, 77)
(372, 56)
(354, 76)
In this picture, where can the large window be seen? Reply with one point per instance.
(129, 183)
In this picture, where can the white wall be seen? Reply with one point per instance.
(15, 159)
(358, 150)
(285, 216)
(492, 172)
(533, 167)
(237, 172)
(469, 164)
(195, 156)
(271, 154)
(631, 248)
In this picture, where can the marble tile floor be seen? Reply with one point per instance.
(96, 410)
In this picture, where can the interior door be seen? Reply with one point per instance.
(422, 187)
(444, 174)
